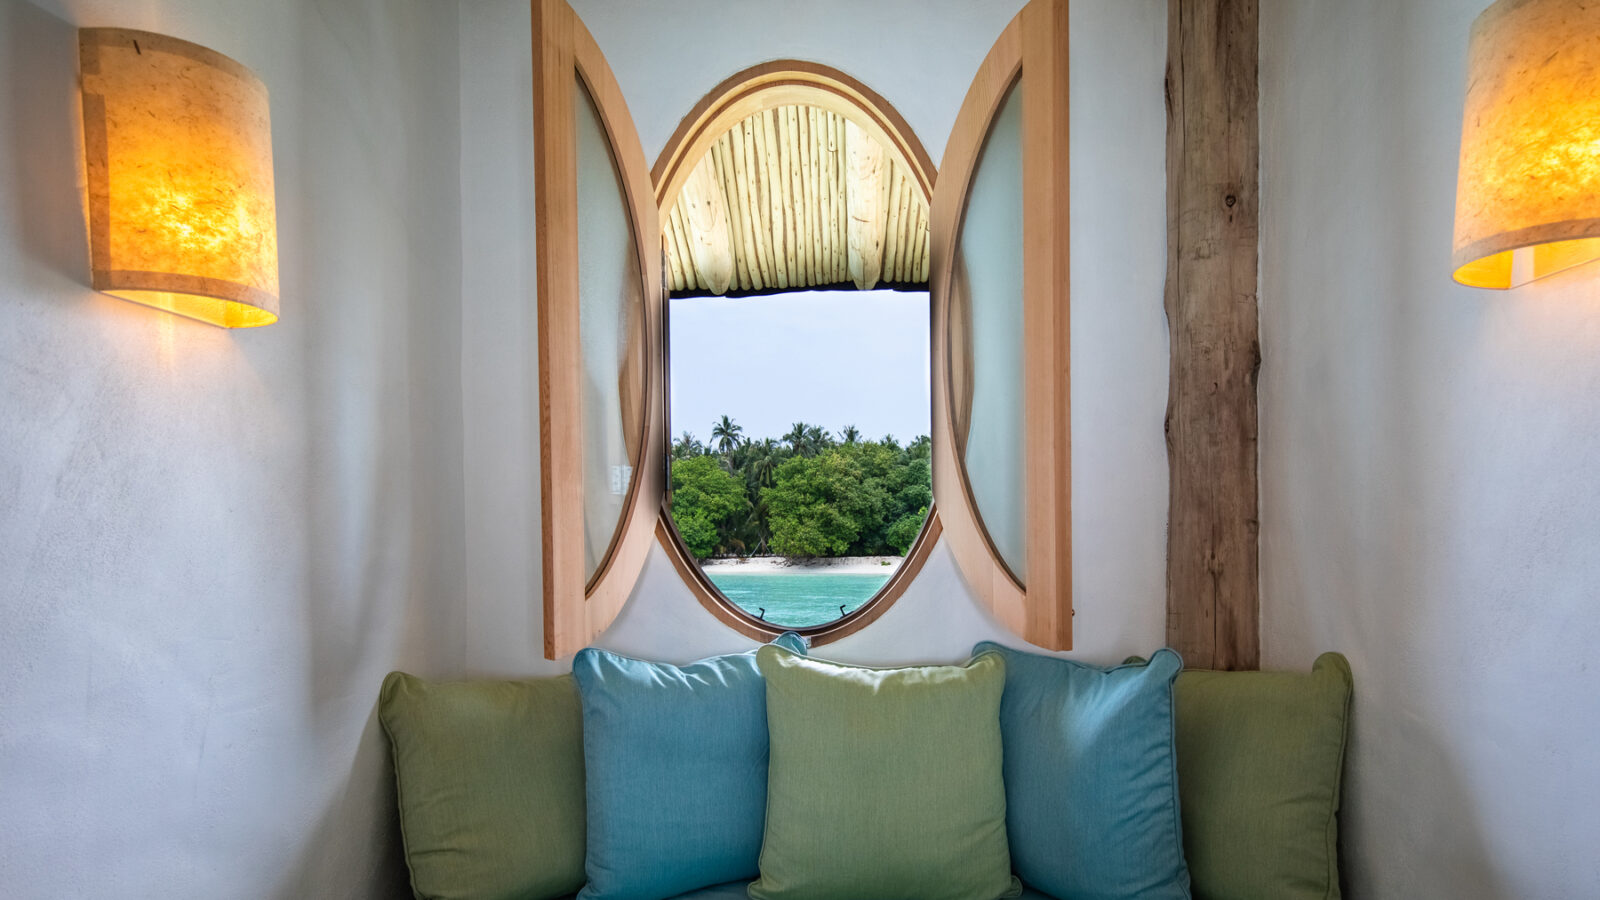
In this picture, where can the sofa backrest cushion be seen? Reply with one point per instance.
(885, 783)
(676, 759)
(1259, 761)
(1091, 777)
(490, 781)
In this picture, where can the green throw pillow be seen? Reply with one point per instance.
(884, 784)
(490, 777)
(1259, 762)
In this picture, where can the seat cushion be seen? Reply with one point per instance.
(1260, 756)
(676, 759)
(1092, 803)
(738, 890)
(490, 783)
(885, 783)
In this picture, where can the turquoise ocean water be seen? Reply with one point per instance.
(800, 599)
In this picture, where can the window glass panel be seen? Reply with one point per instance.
(987, 346)
(801, 458)
(610, 312)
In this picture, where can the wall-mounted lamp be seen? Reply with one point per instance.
(1528, 199)
(179, 147)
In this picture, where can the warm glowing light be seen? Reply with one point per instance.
(1528, 199)
(179, 147)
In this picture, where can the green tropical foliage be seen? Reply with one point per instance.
(686, 447)
(705, 499)
(806, 494)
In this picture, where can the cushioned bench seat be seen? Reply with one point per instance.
(736, 891)
(494, 784)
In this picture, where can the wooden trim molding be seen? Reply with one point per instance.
(575, 608)
(1047, 339)
(1038, 607)
(969, 542)
(1213, 153)
(769, 86)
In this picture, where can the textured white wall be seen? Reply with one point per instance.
(214, 544)
(921, 56)
(1430, 478)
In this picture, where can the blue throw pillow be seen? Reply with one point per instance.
(675, 761)
(1091, 777)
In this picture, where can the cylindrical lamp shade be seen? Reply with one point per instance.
(1528, 198)
(179, 146)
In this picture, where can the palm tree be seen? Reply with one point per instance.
(737, 460)
(808, 440)
(851, 434)
(818, 439)
(796, 438)
(726, 434)
(764, 462)
(686, 446)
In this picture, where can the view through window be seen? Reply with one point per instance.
(800, 458)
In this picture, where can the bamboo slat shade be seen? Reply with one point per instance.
(795, 197)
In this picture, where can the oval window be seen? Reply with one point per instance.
(794, 212)
(787, 196)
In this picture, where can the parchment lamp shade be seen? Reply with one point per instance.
(179, 147)
(1528, 198)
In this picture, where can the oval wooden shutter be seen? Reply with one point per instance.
(1018, 560)
(601, 450)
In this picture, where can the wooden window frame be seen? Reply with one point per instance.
(1033, 50)
(576, 609)
(759, 88)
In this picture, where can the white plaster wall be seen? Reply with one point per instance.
(921, 56)
(213, 544)
(1430, 477)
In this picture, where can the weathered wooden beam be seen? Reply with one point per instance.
(1213, 151)
(706, 215)
(864, 187)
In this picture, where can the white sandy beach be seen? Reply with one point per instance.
(778, 565)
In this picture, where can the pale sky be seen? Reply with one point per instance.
(829, 358)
